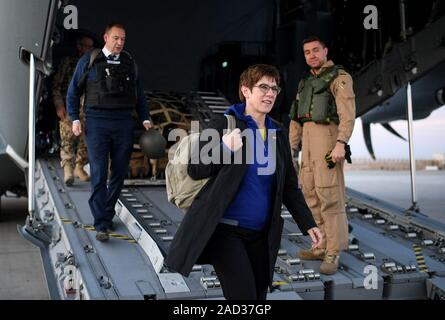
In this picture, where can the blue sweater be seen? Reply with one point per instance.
(73, 97)
(252, 205)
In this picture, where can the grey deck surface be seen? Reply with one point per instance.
(21, 270)
(129, 270)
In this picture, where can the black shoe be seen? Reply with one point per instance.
(102, 236)
(111, 229)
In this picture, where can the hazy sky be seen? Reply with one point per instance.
(429, 138)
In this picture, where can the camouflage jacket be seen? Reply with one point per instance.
(62, 80)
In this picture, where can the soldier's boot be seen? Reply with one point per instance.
(68, 175)
(102, 236)
(312, 254)
(330, 264)
(81, 173)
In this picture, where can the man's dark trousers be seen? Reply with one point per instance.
(107, 139)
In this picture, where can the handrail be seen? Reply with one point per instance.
(412, 161)
(31, 137)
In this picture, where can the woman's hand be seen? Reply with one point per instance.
(233, 140)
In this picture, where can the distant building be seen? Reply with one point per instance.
(437, 163)
(439, 157)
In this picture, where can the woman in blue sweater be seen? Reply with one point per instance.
(235, 221)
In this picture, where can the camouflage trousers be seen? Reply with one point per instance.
(69, 141)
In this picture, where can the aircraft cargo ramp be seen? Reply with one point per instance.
(392, 254)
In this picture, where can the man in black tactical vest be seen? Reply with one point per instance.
(113, 89)
(322, 117)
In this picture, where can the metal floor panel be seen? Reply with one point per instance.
(150, 207)
(385, 243)
(417, 220)
(404, 280)
(125, 264)
(347, 283)
(384, 237)
(406, 248)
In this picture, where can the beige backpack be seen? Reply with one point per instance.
(181, 188)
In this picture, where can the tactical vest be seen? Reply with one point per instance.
(316, 101)
(115, 83)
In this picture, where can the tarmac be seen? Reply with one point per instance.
(21, 271)
(395, 187)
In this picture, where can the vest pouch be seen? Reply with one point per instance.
(109, 84)
(319, 85)
(116, 82)
(321, 102)
(304, 99)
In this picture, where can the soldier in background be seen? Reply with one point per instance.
(68, 154)
(323, 117)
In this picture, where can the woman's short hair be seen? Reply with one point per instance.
(254, 73)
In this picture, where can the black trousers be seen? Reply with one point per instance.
(240, 258)
(107, 138)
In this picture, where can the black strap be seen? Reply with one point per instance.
(231, 123)
(83, 79)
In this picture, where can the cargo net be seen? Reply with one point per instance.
(168, 111)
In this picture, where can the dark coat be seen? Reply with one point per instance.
(214, 198)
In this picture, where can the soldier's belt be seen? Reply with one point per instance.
(302, 122)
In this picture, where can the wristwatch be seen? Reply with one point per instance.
(341, 141)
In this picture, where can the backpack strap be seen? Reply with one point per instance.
(231, 123)
(83, 79)
(93, 57)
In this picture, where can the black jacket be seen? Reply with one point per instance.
(212, 201)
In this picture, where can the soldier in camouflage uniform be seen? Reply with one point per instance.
(61, 82)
